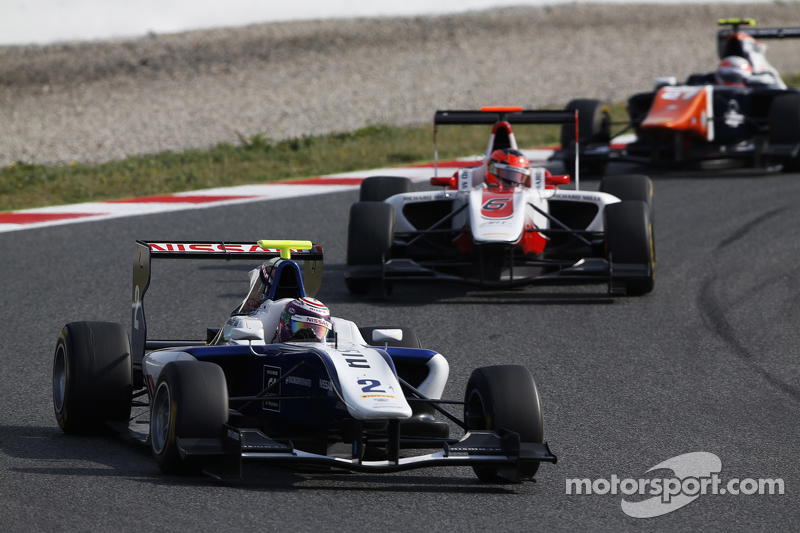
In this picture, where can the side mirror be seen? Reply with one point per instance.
(386, 335)
(557, 180)
(250, 330)
(441, 181)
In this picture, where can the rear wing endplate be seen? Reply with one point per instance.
(145, 251)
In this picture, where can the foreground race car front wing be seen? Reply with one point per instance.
(222, 458)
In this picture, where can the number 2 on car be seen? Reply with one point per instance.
(369, 385)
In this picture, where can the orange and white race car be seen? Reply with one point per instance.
(741, 114)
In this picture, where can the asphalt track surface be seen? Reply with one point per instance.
(707, 362)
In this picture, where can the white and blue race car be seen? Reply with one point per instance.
(360, 399)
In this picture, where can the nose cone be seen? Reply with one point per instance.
(683, 109)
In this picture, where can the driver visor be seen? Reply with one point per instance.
(319, 326)
(511, 174)
(730, 76)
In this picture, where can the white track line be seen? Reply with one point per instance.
(92, 211)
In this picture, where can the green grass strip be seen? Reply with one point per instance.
(256, 160)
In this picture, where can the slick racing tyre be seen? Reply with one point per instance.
(632, 187)
(629, 240)
(410, 339)
(92, 376)
(594, 125)
(191, 401)
(504, 397)
(784, 127)
(370, 233)
(379, 188)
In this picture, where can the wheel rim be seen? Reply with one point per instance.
(476, 417)
(160, 418)
(59, 378)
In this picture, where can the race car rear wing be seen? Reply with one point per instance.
(769, 33)
(489, 115)
(512, 115)
(145, 251)
(757, 33)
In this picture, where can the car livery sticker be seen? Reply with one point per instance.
(497, 205)
(214, 247)
(497, 215)
(271, 375)
(369, 387)
(374, 388)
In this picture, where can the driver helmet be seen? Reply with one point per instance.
(507, 168)
(733, 70)
(304, 319)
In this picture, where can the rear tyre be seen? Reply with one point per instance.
(92, 377)
(784, 126)
(191, 401)
(370, 233)
(629, 240)
(504, 397)
(379, 188)
(594, 124)
(632, 187)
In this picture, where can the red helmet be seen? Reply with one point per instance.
(507, 168)
(733, 70)
(304, 319)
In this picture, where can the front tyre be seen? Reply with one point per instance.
(629, 240)
(92, 376)
(504, 397)
(191, 401)
(784, 127)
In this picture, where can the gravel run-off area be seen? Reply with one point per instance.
(106, 100)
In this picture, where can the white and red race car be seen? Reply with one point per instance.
(496, 235)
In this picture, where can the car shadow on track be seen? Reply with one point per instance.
(265, 478)
(45, 450)
(666, 173)
(415, 294)
(413, 299)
